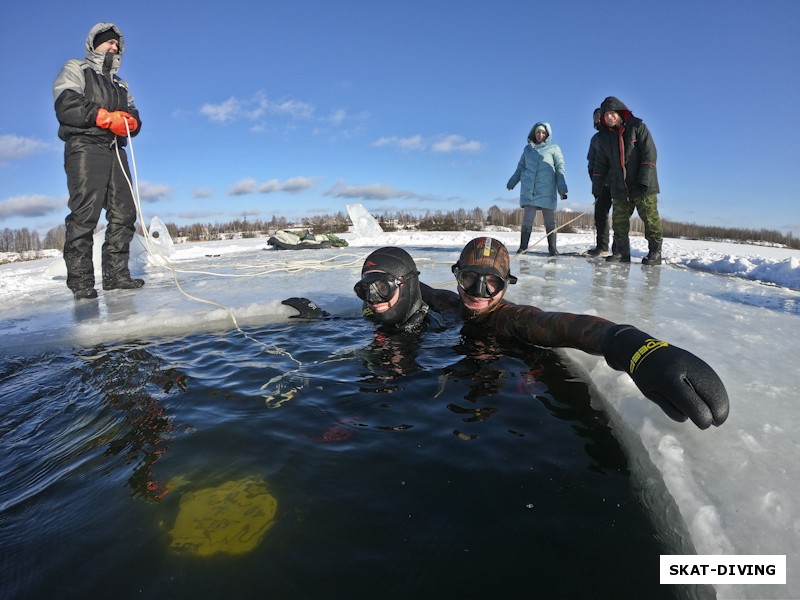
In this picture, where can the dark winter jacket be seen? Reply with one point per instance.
(625, 159)
(83, 87)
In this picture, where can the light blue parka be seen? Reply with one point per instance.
(541, 171)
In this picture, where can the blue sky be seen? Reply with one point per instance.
(298, 108)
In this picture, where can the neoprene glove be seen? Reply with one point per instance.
(306, 308)
(115, 121)
(679, 382)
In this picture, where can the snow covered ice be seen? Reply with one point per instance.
(728, 490)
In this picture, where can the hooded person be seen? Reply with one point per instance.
(391, 291)
(96, 114)
(602, 203)
(542, 175)
(625, 161)
(679, 382)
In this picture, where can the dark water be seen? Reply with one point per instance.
(402, 468)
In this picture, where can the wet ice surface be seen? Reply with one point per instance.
(736, 487)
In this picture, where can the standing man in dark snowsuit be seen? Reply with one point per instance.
(602, 203)
(95, 113)
(625, 161)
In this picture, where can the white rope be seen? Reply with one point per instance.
(164, 261)
(544, 237)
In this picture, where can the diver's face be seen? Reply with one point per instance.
(381, 291)
(382, 307)
(479, 304)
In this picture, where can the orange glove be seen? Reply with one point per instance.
(132, 122)
(115, 121)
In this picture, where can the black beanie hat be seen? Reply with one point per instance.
(104, 36)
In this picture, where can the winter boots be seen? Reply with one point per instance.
(524, 238)
(551, 243)
(622, 252)
(654, 255)
(123, 284)
(116, 275)
(85, 293)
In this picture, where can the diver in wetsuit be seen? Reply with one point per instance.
(680, 383)
(391, 291)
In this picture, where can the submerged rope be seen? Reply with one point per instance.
(290, 267)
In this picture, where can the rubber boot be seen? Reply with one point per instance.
(601, 247)
(654, 255)
(524, 238)
(622, 253)
(551, 243)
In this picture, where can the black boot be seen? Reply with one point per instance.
(85, 293)
(80, 268)
(601, 246)
(654, 255)
(622, 252)
(551, 243)
(122, 284)
(524, 238)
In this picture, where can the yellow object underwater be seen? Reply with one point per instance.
(231, 518)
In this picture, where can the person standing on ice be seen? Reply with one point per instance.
(96, 112)
(683, 385)
(543, 176)
(602, 203)
(625, 161)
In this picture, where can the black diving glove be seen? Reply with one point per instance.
(679, 382)
(306, 308)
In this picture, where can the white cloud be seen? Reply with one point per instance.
(337, 117)
(298, 184)
(455, 143)
(255, 108)
(273, 185)
(201, 192)
(15, 147)
(222, 113)
(242, 187)
(444, 144)
(151, 192)
(414, 142)
(293, 108)
(294, 185)
(30, 206)
(374, 191)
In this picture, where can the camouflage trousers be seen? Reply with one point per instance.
(647, 207)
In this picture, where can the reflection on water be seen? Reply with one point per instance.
(432, 466)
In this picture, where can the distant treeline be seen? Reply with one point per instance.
(24, 240)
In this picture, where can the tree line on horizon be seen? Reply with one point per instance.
(25, 240)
